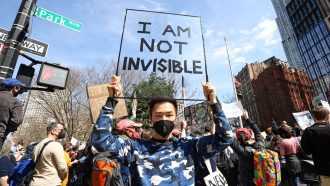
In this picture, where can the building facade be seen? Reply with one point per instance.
(289, 41)
(36, 118)
(313, 38)
(280, 91)
(245, 77)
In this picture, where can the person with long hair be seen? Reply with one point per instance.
(289, 147)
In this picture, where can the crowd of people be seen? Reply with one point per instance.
(122, 153)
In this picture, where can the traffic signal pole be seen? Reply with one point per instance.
(16, 37)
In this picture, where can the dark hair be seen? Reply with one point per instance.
(20, 142)
(52, 126)
(285, 132)
(320, 113)
(207, 128)
(161, 99)
(242, 138)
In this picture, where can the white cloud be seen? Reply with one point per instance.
(265, 31)
(219, 53)
(155, 5)
(209, 32)
(240, 59)
(183, 12)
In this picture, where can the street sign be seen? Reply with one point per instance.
(57, 19)
(29, 45)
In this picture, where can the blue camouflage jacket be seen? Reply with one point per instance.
(161, 163)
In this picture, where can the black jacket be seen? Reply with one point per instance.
(316, 141)
(11, 113)
(245, 156)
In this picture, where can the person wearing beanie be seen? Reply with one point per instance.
(11, 109)
(243, 146)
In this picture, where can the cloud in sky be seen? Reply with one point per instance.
(264, 31)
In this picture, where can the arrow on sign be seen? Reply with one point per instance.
(29, 45)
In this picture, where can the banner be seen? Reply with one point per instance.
(325, 104)
(166, 44)
(198, 115)
(215, 179)
(304, 119)
(232, 110)
(73, 141)
(98, 96)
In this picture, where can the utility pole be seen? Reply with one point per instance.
(16, 37)
(232, 79)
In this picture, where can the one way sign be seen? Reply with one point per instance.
(29, 45)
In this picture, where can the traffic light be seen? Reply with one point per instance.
(51, 75)
(25, 74)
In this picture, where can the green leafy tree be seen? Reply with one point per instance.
(154, 85)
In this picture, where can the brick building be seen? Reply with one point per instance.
(279, 91)
(245, 77)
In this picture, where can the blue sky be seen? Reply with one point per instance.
(249, 26)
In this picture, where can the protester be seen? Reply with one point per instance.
(7, 163)
(316, 141)
(289, 148)
(51, 169)
(201, 168)
(11, 110)
(227, 163)
(270, 134)
(67, 148)
(244, 146)
(162, 160)
(128, 128)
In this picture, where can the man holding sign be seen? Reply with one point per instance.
(163, 160)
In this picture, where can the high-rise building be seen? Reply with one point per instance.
(289, 41)
(325, 9)
(36, 118)
(280, 91)
(313, 38)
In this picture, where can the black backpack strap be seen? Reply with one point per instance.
(40, 153)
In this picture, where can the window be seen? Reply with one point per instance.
(325, 46)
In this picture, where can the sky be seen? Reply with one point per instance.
(249, 26)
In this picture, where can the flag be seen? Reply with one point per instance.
(183, 88)
(237, 83)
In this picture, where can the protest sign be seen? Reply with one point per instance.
(215, 179)
(198, 115)
(98, 96)
(325, 104)
(163, 43)
(304, 119)
(232, 110)
(73, 141)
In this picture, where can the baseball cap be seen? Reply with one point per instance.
(243, 130)
(126, 123)
(11, 82)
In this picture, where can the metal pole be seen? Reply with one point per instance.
(16, 36)
(232, 79)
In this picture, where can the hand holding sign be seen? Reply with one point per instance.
(114, 87)
(245, 114)
(209, 92)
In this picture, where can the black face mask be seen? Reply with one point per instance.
(61, 135)
(164, 127)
